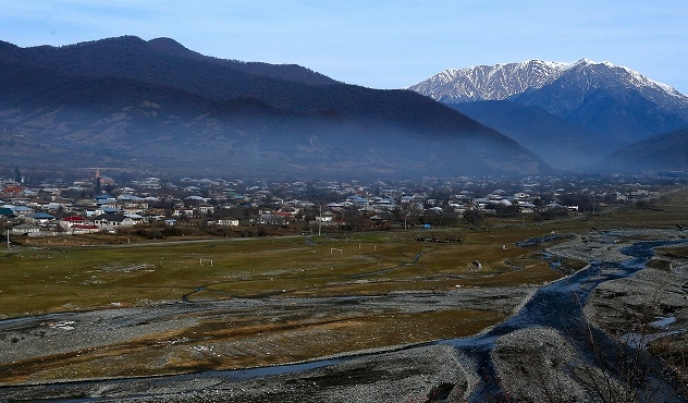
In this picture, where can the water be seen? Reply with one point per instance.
(559, 306)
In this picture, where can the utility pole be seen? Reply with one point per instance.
(320, 220)
(8, 238)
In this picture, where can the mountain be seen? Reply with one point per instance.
(603, 98)
(488, 83)
(156, 105)
(666, 152)
(561, 144)
(612, 100)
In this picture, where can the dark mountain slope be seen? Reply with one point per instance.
(157, 105)
(562, 144)
(595, 101)
(164, 62)
(10, 53)
(134, 58)
(290, 72)
(659, 153)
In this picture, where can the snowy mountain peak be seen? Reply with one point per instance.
(506, 80)
(601, 97)
(489, 82)
(584, 61)
(627, 76)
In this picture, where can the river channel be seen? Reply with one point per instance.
(558, 306)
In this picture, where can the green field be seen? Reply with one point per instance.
(52, 279)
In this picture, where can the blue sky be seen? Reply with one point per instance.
(378, 43)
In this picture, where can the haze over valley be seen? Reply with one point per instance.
(571, 114)
(182, 227)
(158, 106)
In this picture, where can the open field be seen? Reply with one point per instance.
(166, 308)
(40, 280)
(281, 299)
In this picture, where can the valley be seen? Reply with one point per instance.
(179, 227)
(377, 314)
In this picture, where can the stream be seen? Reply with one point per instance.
(559, 306)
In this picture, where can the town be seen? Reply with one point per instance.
(35, 206)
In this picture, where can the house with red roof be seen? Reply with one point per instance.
(78, 225)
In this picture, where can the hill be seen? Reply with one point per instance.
(156, 105)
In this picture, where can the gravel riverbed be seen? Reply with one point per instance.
(427, 373)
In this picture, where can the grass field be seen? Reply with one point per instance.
(41, 280)
(46, 280)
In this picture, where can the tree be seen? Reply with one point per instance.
(473, 217)
(504, 211)
(17, 175)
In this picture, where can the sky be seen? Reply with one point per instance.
(378, 43)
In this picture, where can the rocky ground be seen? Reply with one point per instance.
(410, 375)
(48, 350)
(602, 358)
(519, 360)
(155, 339)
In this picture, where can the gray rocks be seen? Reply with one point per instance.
(533, 363)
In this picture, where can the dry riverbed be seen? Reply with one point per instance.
(188, 338)
(185, 337)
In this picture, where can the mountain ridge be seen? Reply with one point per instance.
(605, 101)
(161, 106)
(664, 152)
(483, 82)
(496, 82)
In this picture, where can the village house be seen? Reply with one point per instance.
(326, 217)
(67, 223)
(205, 209)
(225, 222)
(274, 217)
(103, 210)
(6, 213)
(26, 228)
(41, 218)
(287, 211)
(57, 205)
(183, 212)
(104, 199)
(20, 211)
(114, 221)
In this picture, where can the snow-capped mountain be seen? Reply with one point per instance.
(493, 83)
(611, 100)
(505, 80)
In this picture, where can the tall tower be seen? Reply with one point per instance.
(98, 191)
